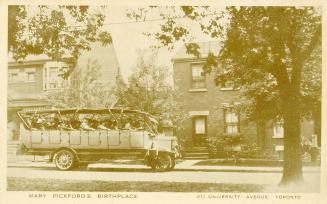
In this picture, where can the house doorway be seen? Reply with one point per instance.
(199, 138)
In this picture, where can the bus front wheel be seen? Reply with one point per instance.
(164, 162)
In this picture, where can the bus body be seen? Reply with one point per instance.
(75, 146)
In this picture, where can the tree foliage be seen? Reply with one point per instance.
(84, 89)
(149, 89)
(265, 50)
(56, 31)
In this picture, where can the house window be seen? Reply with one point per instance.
(278, 128)
(198, 78)
(30, 74)
(13, 75)
(232, 122)
(52, 78)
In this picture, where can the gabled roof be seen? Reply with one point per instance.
(205, 48)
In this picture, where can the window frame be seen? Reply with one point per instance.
(28, 74)
(10, 78)
(193, 81)
(280, 121)
(47, 80)
(226, 124)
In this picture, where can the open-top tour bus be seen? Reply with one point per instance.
(73, 137)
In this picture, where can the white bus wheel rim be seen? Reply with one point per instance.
(64, 160)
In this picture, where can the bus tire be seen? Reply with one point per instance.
(164, 162)
(64, 159)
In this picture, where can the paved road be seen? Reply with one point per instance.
(103, 174)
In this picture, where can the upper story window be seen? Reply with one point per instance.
(13, 75)
(52, 79)
(198, 80)
(278, 128)
(231, 121)
(21, 75)
(30, 74)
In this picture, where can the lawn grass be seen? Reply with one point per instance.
(28, 184)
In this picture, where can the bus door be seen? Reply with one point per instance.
(124, 138)
(103, 134)
(64, 136)
(137, 138)
(85, 139)
(113, 139)
(36, 138)
(54, 137)
(75, 137)
(98, 139)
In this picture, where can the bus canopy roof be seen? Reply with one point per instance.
(85, 111)
(89, 111)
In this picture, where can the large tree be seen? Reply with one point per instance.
(56, 31)
(272, 53)
(273, 44)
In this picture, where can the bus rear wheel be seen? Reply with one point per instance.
(64, 160)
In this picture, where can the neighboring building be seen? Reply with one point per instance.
(212, 109)
(30, 80)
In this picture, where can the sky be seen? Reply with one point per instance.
(128, 38)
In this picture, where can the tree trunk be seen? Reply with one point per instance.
(292, 172)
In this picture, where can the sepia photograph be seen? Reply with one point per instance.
(214, 99)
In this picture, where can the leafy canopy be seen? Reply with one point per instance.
(56, 31)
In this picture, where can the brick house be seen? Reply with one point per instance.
(212, 109)
(30, 80)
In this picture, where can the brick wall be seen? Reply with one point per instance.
(211, 100)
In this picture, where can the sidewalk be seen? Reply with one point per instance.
(186, 165)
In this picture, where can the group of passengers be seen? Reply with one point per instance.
(38, 122)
